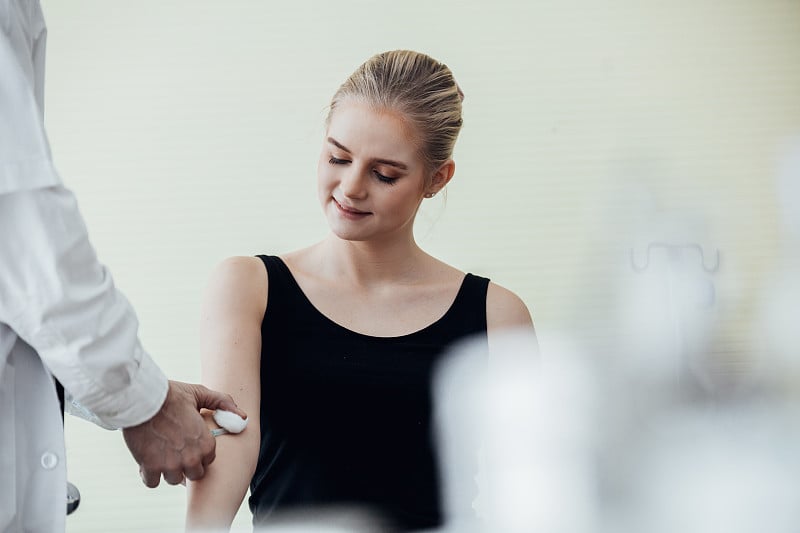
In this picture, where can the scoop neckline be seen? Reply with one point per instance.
(335, 324)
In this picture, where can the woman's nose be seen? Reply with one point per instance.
(353, 184)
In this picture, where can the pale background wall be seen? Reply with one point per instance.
(190, 131)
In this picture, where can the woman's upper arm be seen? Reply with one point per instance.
(230, 328)
(230, 335)
(505, 310)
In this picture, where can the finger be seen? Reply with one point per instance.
(173, 468)
(211, 453)
(211, 399)
(194, 463)
(151, 478)
(173, 477)
(194, 472)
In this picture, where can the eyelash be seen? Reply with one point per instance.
(380, 177)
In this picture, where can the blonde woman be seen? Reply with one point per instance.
(330, 348)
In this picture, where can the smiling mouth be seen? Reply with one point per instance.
(349, 210)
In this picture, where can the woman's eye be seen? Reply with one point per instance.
(384, 179)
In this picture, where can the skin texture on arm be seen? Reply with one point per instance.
(505, 310)
(231, 359)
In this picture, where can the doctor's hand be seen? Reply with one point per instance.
(176, 442)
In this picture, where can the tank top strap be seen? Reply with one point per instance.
(282, 289)
(468, 312)
(273, 264)
(270, 261)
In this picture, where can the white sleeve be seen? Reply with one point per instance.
(25, 161)
(54, 293)
(59, 299)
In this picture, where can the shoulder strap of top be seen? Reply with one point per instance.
(279, 288)
(277, 270)
(469, 308)
(270, 262)
(475, 286)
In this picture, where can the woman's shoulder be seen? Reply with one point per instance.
(240, 282)
(238, 268)
(504, 309)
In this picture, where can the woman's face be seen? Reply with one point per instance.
(371, 177)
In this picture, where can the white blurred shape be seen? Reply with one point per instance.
(526, 419)
(734, 471)
(778, 337)
(666, 312)
(332, 519)
(788, 186)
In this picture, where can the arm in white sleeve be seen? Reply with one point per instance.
(59, 299)
(25, 161)
(54, 293)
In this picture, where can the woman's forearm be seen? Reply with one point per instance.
(212, 502)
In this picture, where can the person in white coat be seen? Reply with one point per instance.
(62, 317)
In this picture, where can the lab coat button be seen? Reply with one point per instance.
(49, 460)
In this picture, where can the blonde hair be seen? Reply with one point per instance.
(419, 87)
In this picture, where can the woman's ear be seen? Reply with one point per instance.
(441, 177)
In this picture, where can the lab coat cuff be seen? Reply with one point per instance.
(143, 397)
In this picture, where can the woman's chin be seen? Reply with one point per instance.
(350, 236)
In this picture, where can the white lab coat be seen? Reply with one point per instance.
(59, 311)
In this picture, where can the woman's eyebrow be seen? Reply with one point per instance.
(389, 162)
(338, 144)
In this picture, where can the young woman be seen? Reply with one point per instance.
(330, 348)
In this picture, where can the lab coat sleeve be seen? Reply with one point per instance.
(59, 299)
(25, 161)
(54, 293)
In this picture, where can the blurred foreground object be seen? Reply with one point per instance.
(563, 441)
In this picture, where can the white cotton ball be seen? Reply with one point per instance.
(230, 421)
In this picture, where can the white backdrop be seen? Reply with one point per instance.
(189, 131)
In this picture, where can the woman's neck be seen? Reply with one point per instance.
(371, 263)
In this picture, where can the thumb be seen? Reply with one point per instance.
(211, 399)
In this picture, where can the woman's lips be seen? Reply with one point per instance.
(350, 212)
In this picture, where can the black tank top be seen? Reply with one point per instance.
(346, 417)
